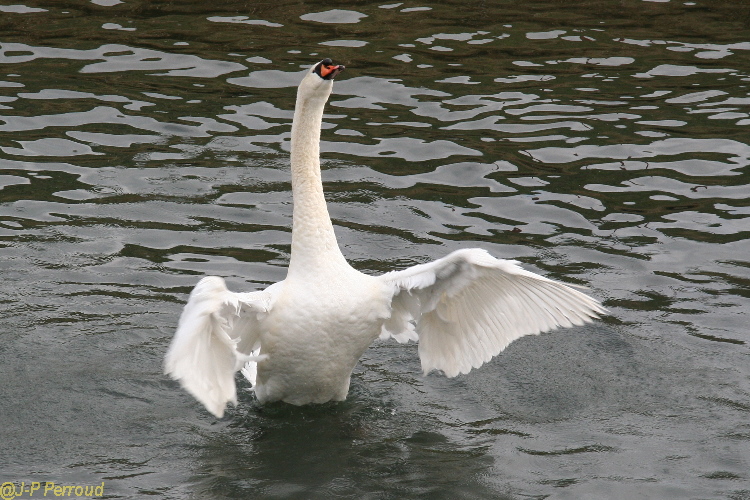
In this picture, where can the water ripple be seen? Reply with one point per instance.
(143, 146)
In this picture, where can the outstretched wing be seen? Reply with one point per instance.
(217, 333)
(468, 306)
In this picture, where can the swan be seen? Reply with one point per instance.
(298, 340)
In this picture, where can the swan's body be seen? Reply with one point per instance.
(300, 339)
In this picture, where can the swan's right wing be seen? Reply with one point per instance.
(468, 306)
(217, 334)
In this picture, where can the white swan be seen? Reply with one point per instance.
(300, 339)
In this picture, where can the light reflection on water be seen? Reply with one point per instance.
(145, 145)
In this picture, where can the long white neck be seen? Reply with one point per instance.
(314, 245)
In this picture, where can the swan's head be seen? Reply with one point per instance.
(318, 82)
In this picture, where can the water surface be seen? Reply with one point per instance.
(145, 144)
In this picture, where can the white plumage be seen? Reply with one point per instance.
(299, 340)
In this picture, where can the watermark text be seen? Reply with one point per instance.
(49, 489)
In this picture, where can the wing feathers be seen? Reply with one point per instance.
(215, 336)
(470, 306)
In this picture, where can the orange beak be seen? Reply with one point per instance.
(330, 71)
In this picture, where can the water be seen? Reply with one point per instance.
(144, 144)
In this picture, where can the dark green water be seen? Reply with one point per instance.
(604, 143)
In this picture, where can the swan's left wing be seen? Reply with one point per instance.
(468, 306)
(217, 334)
